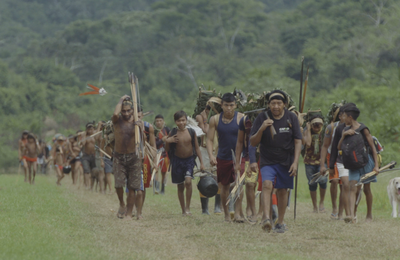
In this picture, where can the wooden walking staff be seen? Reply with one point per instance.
(132, 81)
(301, 111)
(157, 162)
(305, 90)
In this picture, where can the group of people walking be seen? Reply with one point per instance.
(266, 150)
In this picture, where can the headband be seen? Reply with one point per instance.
(336, 114)
(317, 120)
(277, 94)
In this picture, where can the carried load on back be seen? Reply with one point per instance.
(208, 97)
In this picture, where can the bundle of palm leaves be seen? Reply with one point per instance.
(206, 97)
(311, 114)
(254, 102)
(333, 112)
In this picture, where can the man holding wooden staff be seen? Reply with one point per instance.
(127, 164)
(227, 126)
(279, 154)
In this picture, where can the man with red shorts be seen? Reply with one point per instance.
(31, 152)
(227, 126)
(21, 146)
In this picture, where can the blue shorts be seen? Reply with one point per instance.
(310, 171)
(279, 173)
(355, 175)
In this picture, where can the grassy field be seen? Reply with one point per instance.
(44, 221)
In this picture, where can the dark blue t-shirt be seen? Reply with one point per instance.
(280, 149)
(227, 137)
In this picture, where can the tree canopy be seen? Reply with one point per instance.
(51, 49)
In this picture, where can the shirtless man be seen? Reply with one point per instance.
(88, 159)
(127, 164)
(227, 126)
(31, 151)
(21, 146)
(75, 162)
(58, 154)
(107, 144)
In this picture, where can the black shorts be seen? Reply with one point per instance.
(88, 162)
(76, 159)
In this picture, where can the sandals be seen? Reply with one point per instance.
(266, 225)
(251, 221)
(334, 216)
(235, 220)
(121, 212)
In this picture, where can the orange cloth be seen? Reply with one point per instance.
(336, 176)
(274, 199)
(146, 172)
(165, 164)
(28, 159)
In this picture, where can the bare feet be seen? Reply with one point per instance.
(127, 217)
(139, 217)
(348, 219)
(252, 220)
(227, 218)
(266, 225)
(188, 213)
(238, 219)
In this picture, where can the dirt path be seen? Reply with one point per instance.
(165, 234)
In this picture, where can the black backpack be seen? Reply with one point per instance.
(354, 150)
(172, 146)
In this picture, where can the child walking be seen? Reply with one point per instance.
(182, 148)
(359, 156)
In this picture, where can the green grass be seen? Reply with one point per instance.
(40, 222)
(381, 206)
(44, 221)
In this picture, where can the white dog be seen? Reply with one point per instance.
(393, 190)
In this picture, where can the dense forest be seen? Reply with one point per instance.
(50, 50)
